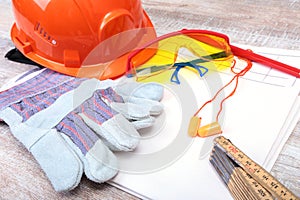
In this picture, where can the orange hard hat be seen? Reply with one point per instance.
(85, 38)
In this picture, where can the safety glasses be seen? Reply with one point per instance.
(197, 50)
(201, 51)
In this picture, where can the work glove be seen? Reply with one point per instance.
(72, 125)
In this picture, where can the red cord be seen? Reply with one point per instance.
(236, 77)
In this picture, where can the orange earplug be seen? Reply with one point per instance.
(209, 130)
(194, 125)
(204, 131)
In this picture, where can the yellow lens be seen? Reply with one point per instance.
(204, 50)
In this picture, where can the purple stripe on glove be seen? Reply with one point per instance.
(31, 105)
(44, 81)
(73, 126)
(96, 109)
(111, 96)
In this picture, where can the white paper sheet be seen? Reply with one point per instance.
(257, 119)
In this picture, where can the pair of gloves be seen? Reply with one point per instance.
(73, 125)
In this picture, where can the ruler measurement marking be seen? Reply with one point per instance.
(257, 172)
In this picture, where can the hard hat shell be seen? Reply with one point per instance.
(65, 35)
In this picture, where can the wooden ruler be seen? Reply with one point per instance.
(244, 178)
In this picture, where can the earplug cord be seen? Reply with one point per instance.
(236, 77)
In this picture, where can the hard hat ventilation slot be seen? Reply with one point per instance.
(43, 33)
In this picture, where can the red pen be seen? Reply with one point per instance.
(265, 61)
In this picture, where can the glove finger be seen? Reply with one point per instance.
(100, 164)
(145, 105)
(151, 91)
(58, 161)
(143, 123)
(130, 107)
(116, 131)
(153, 107)
(131, 111)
